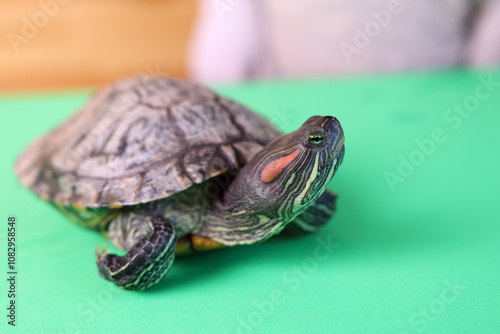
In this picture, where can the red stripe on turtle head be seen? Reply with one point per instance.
(274, 168)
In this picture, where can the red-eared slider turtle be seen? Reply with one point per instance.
(163, 166)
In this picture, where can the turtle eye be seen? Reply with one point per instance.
(316, 138)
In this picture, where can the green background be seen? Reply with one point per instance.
(398, 250)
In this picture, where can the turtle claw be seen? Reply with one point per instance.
(99, 254)
(145, 263)
(104, 250)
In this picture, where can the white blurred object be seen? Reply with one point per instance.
(224, 44)
(484, 47)
(237, 39)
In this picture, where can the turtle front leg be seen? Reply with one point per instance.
(317, 215)
(150, 242)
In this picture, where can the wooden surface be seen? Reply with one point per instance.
(91, 42)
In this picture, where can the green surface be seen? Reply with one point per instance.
(397, 250)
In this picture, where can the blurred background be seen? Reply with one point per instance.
(415, 84)
(63, 43)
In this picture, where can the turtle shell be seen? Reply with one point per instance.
(142, 139)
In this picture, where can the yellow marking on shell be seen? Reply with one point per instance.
(78, 207)
(104, 222)
(202, 244)
(312, 177)
(116, 206)
(69, 214)
(85, 217)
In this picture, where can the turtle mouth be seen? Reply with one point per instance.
(338, 152)
(330, 159)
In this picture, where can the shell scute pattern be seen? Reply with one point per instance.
(142, 139)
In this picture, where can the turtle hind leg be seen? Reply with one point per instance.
(317, 215)
(150, 242)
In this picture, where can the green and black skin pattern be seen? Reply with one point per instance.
(164, 166)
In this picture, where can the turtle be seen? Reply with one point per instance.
(164, 166)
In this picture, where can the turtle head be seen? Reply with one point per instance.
(282, 180)
(308, 156)
(292, 171)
